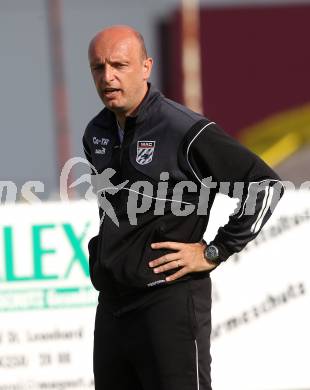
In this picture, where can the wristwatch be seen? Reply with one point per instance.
(212, 253)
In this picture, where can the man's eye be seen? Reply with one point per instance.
(97, 67)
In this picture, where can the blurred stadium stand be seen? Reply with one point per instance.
(252, 67)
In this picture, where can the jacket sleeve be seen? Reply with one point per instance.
(240, 174)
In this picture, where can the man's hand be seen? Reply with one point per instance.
(189, 257)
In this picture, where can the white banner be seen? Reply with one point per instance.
(47, 304)
(261, 301)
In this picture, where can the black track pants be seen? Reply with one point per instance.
(163, 344)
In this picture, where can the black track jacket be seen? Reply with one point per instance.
(167, 137)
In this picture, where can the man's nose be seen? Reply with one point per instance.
(108, 74)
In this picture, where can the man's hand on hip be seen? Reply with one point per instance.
(189, 257)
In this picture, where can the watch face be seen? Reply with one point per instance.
(212, 252)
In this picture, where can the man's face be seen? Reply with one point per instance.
(119, 71)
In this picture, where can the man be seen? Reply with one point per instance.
(152, 267)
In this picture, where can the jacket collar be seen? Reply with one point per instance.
(141, 114)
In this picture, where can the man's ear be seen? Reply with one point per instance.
(147, 68)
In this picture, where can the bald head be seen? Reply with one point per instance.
(119, 32)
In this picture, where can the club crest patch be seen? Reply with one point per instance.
(145, 151)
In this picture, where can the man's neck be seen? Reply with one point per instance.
(121, 119)
(121, 116)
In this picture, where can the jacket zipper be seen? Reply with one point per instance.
(116, 148)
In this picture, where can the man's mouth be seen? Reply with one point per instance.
(109, 91)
